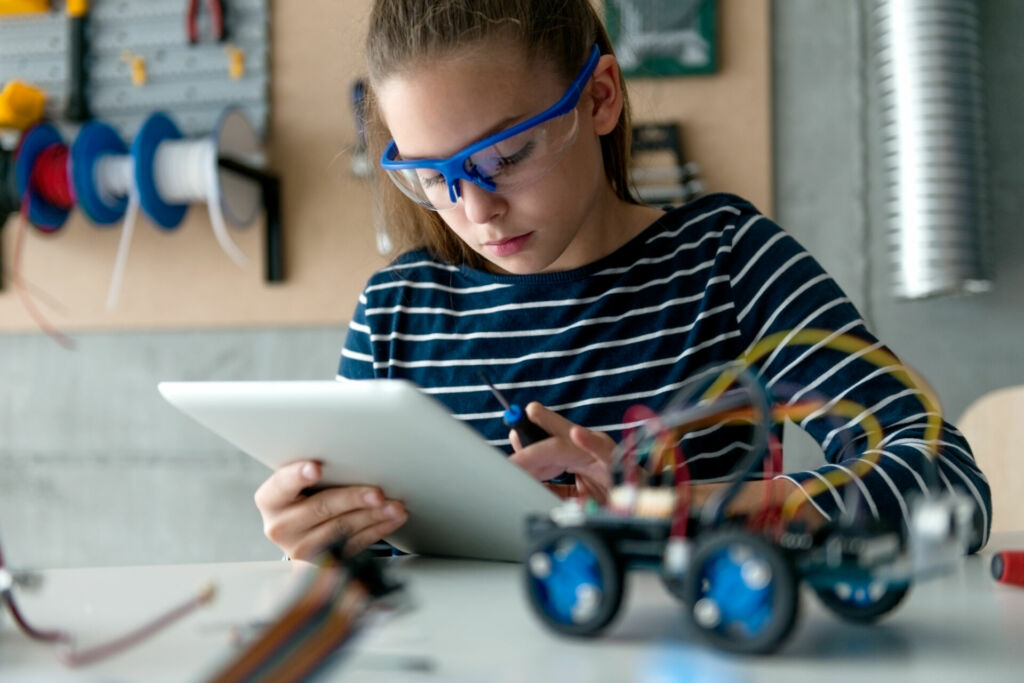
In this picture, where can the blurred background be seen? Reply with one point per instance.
(792, 110)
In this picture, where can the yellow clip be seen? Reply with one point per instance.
(23, 6)
(77, 8)
(236, 61)
(137, 63)
(21, 105)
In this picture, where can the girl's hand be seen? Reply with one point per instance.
(302, 525)
(571, 448)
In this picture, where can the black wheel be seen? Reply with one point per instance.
(741, 592)
(675, 585)
(862, 599)
(573, 581)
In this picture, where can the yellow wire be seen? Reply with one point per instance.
(869, 423)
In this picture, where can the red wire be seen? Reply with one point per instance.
(50, 177)
(19, 285)
(67, 653)
(681, 474)
(25, 626)
(772, 464)
(634, 413)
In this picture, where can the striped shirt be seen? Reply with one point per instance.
(697, 289)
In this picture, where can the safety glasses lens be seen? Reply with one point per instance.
(509, 164)
(518, 161)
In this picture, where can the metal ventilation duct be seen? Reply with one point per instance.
(929, 75)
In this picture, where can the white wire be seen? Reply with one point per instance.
(114, 177)
(114, 290)
(185, 172)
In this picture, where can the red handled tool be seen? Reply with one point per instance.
(1008, 567)
(216, 9)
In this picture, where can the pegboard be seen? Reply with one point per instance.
(189, 82)
(182, 279)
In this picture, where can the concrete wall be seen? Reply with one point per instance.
(96, 469)
(830, 192)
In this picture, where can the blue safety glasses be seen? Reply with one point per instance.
(503, 162)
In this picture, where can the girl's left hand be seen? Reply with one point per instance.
(571, 448)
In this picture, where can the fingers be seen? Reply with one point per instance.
(589, 488)
(363, 539)
(572, 448)
(598, 444)
(548, 420)
(301, 525)
(285, 485)
(549, 458)
(362, 528)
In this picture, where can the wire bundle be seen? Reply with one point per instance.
(317, 625)
(732, 394)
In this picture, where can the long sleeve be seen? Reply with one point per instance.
(778, 288)
(357, 354)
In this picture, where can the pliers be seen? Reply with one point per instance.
(216, 9)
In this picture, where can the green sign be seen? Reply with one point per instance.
(663, 37)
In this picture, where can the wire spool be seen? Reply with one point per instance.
(104, 181)
(930, 86)
(100, 171)
(42, 177)
(171, 173)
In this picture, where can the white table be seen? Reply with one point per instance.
(472, 623)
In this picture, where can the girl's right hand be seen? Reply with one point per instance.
(302, 525)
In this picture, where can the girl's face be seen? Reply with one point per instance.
(555, 223)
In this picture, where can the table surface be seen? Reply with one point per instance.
(469, 621)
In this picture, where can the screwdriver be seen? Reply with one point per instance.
(515, 418)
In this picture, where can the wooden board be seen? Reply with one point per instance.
(181, 279)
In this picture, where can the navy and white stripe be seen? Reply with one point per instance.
(697, 288)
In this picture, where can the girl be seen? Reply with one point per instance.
(503, 127)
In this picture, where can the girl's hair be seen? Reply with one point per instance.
(406, 33)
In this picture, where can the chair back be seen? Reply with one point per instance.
(994, 427)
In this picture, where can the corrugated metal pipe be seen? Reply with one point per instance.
(927, 61)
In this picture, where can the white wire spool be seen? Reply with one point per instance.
(173, 173)
(164, 174)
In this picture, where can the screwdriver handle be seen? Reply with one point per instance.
(515, 418)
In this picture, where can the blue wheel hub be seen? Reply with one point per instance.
(737, 589)
(567, 580)
(859, 590)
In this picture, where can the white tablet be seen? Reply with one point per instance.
(464, 498)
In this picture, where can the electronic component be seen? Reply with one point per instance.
(739, 576)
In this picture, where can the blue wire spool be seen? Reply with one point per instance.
(95, 140)
(41, 213)
(157, 129)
